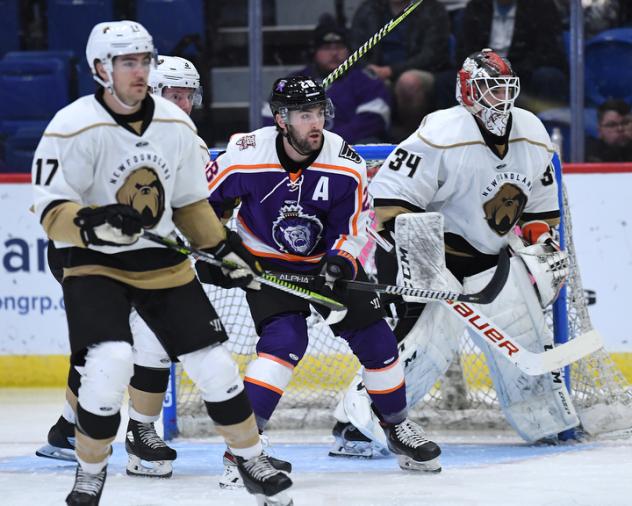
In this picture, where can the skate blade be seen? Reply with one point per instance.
(351, 452)
(54, 452)
(280, 499)
(428, 466)
(149, 469)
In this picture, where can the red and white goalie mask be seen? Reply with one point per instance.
(487, 87)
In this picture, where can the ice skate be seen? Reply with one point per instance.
(232, 479)
(61, 442)
(87, 488)
(264, 481)
(148, 454)
(415, 453)
(350, 442)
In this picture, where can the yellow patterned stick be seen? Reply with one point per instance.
(369, 44)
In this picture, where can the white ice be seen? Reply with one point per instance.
(478, 469)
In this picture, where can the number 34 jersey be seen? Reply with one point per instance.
(446, 166)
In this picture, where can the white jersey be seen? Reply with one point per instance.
(446, 166)
(85, 156)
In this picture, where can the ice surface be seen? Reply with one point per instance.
(478, 469)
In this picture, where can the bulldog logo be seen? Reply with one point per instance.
(144, 192)
(504, 209)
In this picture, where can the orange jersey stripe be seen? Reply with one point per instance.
(233, 168)
(388, 391)
(263, 385)
(359, 190)
(276, 359)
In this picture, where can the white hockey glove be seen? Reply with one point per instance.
(111, 225)
(548, 265)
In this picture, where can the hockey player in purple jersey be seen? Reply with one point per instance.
(304, 208)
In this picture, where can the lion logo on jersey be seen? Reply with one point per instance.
(505, 208)
(296, 232)
(144, 192)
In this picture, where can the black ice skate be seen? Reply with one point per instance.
(264, 481)
(231, 477)
(350, 442)
(148, 454)
(87, 488)
(61, 442)
(415, 453)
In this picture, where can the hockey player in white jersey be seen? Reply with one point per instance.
(177, 80)
(485, 165)
(108, 167)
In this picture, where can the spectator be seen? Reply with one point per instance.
(527, 32)
(361, 101)
(408, 57)
(614, 143)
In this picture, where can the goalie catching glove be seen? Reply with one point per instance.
(111, 225)
(548, 266)
(230, 250)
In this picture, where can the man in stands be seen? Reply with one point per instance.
(361, 100)
(408, 58)
(614, 143)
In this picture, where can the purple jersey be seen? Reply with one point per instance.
(295, 218)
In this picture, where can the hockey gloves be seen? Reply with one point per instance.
(111, 225)
(231, 250)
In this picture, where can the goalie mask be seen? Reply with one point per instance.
(116, 38)
(175, 72)
(487, 87)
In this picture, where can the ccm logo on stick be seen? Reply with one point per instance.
(493, 334)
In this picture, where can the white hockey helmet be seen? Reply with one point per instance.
(175, 72)
(115, 38)
(487, 87)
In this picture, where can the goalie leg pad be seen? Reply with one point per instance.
(428, 350)
(535, 406)
(214, 372)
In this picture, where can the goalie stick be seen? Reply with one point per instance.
(485, 296)
(531, 363)
(265, 279)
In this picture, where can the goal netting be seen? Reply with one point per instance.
(463, 399)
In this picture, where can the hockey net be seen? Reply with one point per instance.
(463, 399)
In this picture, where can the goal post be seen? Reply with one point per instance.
(463, 398)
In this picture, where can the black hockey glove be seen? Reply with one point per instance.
(111, 225)
(230, 250)
(335, 268)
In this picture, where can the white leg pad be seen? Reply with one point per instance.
(105, 376)
(428, 350)
(214, 372)
(148, 351)
(535, 406)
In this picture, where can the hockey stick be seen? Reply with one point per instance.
(265, 279)
(485, 296)
(369, 44)
(527, 361)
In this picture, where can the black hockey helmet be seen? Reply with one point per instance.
(298, 92)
